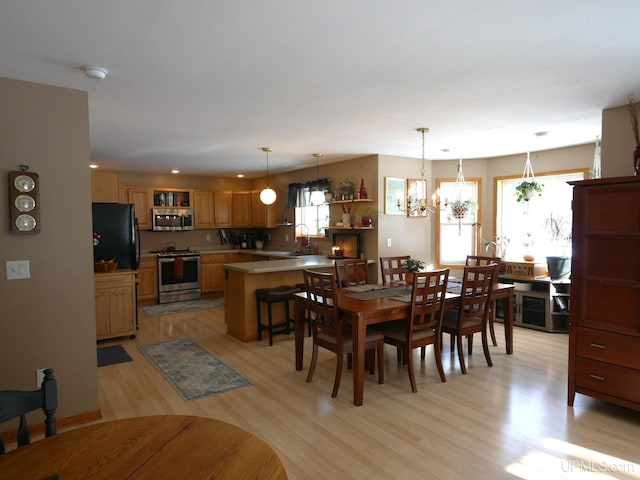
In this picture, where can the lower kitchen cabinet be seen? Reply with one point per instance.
(212, 273)
(148, 280)
(115, 304)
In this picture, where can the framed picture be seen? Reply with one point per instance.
(416, 190)
(395, 196)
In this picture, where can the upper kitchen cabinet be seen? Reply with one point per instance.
(105, 186)
(142, 199)
(242, 209)
(222, 209)
(263, 216)
(203, 209)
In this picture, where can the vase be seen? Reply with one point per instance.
(636, 160)
(346, 219)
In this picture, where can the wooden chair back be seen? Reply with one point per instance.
(351, 272)
(322, 303)
(477, 286)
(16, 403)
(478, 261)
(427, 301)
(391, 269)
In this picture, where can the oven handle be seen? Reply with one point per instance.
(185, 258)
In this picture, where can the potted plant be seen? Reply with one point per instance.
(411, 266)
(367, 217)
(459, 208)
(559, 229)
(525, 190)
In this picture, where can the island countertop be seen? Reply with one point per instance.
(284, 265)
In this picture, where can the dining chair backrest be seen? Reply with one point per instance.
(391, 268)
(427, 300)
(352, 271)
(17, 403)
(478, 261)
(322, 302)
(477, 285)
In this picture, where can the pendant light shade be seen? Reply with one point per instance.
(267, 195)
(317, 196)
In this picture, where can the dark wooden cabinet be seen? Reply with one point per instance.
(604, 332)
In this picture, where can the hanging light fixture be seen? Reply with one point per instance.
(317, 196)
(267, 195)
(595, 170)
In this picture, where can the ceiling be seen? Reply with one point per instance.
(202, 85)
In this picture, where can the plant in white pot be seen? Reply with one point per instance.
(559, 263)
(526, 190)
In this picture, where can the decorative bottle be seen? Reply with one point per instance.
(363, 190)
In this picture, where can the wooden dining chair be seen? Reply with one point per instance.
(18, 403)
(423, 326)
(472, 314)
(391, 269)
(328, 330)
(352, 271)
(477, 260)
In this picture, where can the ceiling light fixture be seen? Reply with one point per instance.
(267, 195)
(317, 196)
(93, 71)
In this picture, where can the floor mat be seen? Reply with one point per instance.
(112, 355)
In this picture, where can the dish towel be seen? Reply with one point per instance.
(178, 269)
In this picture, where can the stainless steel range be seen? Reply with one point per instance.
(178, 276)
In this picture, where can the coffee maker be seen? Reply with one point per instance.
(247, 241)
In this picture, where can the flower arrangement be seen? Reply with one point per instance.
(412, 265)
(525, 190)
(96, 238)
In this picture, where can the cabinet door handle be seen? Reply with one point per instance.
(598, 345)
(596, 377)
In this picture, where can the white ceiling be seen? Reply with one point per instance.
(201, 85)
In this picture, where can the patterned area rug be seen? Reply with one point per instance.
(179, 307)
(191, 370)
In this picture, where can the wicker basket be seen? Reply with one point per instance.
(105, 267)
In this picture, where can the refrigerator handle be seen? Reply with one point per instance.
(135, 222)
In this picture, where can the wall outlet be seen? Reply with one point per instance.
(39, 377)
(286, 237)
(208, 237)
(388, 242)
(17, 269)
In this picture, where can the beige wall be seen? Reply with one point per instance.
(617, 142)
(48, 320)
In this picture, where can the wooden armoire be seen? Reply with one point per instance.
(604, 332)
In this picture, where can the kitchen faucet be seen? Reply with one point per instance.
(308, 243)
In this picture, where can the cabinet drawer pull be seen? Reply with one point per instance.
(596, 377)
(598, 345)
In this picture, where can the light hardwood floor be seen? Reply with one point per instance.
(509, 421)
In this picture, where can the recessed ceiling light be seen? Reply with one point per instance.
(93, 165)
(541, 134)
(175, 170)
(240, 175)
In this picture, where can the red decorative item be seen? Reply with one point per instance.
(363, 190)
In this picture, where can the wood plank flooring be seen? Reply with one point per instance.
(508, 421)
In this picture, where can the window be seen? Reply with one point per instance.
(456, 227)
(523, 227)
(310, 220)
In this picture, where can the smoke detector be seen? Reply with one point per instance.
(95, 72)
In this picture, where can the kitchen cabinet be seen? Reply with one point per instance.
(170, 197)
(222, 209)
(604, 330)
(242, 209)
(142, 199)
(115, 304)
(105, 186)
(203, 209)
(263, 216)
(212, 273)
(148, 280)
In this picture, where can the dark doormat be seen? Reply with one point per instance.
(111, 355)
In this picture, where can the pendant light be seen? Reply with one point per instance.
(267, 195)
(317, 196)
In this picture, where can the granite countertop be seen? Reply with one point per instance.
(291, 263)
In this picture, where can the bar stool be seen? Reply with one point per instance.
(272, 295)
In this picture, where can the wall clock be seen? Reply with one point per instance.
(24, 204)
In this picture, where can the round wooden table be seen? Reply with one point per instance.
(155, 447)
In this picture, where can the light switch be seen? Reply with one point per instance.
(17, 269)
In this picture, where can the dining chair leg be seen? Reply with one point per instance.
(437, 351)
(453, 340)
(461, 355)
(470, 344)
(423, 351)
(336, 382)
(491, 328)
(314, 359)
(381, 362)
(412, 378)
(485, 347)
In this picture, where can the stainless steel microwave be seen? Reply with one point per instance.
(171, 219)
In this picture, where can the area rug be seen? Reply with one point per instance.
(112, 355)
(179, 307)
(191, 370)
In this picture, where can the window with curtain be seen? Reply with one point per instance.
(310, 220)
(522, 228)
(456, 225)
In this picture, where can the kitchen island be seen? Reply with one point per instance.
(242, 280)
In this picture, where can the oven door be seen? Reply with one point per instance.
(178, 278)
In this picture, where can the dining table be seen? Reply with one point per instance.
(149, 447)
(363, 307)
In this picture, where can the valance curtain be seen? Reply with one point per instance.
(300, 193)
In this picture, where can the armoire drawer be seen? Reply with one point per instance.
(609, 379)
(623, 350)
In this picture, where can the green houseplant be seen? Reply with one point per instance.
(411, 266)
(525, 190)
(367, 217)
(459, 208)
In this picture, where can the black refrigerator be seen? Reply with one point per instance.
(114, 231)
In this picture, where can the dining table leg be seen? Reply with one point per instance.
(359, 332)
(508, 323)
(299, 307)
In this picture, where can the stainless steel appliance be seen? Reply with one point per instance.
(172, 219)
(178, 276)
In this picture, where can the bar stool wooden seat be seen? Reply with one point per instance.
(281, 294)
